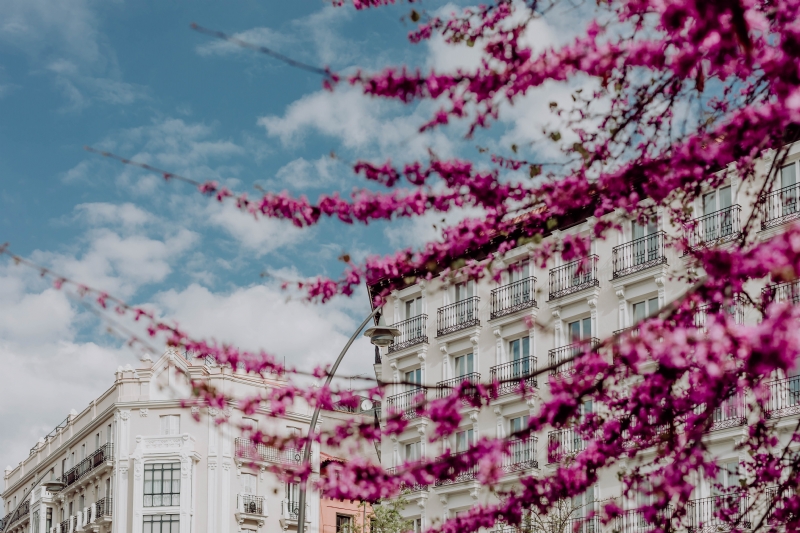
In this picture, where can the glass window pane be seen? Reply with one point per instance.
(638, 312)
(788, 177)
(587, 328)
(724, 197)
(709, 203)
(652, 306)
(526, 346)
(515, 350)
(575, 331)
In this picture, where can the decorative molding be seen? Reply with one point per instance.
(474, 340)
(592, 302)
(556, 312)
(497, 332)
(124, 414)
(195, 410)
(620, 293)
(143, 413)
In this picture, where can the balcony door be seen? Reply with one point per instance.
(642, 310)
(413, 328)
(464, 440)
(582, 506)
(645, 241)
(464, 365)
(521, 450)
(788, 194)
(520, 286)
(718, 205)
(413, 451)
(580, 330)
(464, 310)
(413, 379)
(520, 350)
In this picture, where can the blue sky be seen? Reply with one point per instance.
(132, 78)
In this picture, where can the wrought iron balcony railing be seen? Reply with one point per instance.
(776, 502)
(563, 443)
(511, 376)
(563, 356)
(784, 397)
(103, 507)
(451, 477)
(446, 387)
(413, 331)
(715, 228)
(407, 402)
(573, 277)
(64, 526)
(718, 513)
(781, 293)
(12, 517)
(639, 254)
(97, 458)
(731, 413)
(584, 525)
(513, 297)
(634, 521)
(457, 316)
(249, 504)
(643, 439)
(290, 509)
(780, 207)
(260, 452)
(416, 487)
(522, 455)
(734, 309)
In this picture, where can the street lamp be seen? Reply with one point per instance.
(380, 336)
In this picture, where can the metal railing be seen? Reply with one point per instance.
(639, 254)
(61, 425)
(732, 412)
(562, 356)
(781, 293)
(583, 525)
(96, 458)
(511, 376)
(784, 397)
(416, 487)
(249, 504)
(513, 297)
(734, 309)
(245, 448)
(446, 387)
(457, 316)
(451, 477)
(714, 228)
(776, 503)
(718, 513)
(563, 443)
(23, 511)
(407, 402)
(522, 455)
(573, 277)
(651, 433)
(634, 521)
(64, 526)
(780, 207)
(103, 507)
(413, 331)
(290, 509)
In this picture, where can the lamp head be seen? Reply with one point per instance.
(382, 335)
(53, 486)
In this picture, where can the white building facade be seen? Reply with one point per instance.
(454, 330)
(136, 461)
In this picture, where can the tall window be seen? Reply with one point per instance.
(721, 224)
(463, 440)
(71, 506)
(518, 424)
(48, 519)
(520, 351)
(36, 522)
(727, 478)
(171, 425)
(97, 441)
(642, 310)
(162, 484)
(413, 307)
(788, 194)
(717, 200)
(292, 495)
(413, 379)
(108, 488)
(580, 330)
(416, 525)
(465, 290)
(81, 503)
(249, 484)
(464, 365)
(344, 523)
(413, 451)
(161, 523)
(583, 504)
(521, 450)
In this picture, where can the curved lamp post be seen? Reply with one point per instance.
(379, 336)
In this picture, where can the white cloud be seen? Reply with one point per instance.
(127, 214)
(260, 236)
(301, 174)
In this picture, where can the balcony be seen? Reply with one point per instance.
(513, 297)
(583, 525)
(290, 514)
(451, 477)
(63, 527)
(779, 207)
(777, 504)
(408, 402)
(639, 254)
(457, 316)
(511, 376)
(249, 504)
(731, 413)
(564, 356)
(268, 454)
(95, 460)
(788, 292)
(734, 310)
(446, 387)
(12, 517)
(644, 441)
(564, 443)
(103, 508)
(522, 455)
(718, 513)
(413, 331)
(573, 277)
(715, 228)
(784, 397)
(416, 487)
(634, 521)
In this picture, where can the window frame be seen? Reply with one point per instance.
(175, 476)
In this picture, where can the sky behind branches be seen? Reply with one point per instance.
(132, 78)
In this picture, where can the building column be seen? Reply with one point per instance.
(120, 477)
(623, 308)
(661, 282)
(213, 482)
(499, 355)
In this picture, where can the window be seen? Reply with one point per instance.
(642, 310)
(108, 487)
(108, 433)
(580, 330)
(48, 519)
(522, 449)
(413, 451)
(788, 193)
(161, 523)
(465, 290)
(518, 424)
(464, 365)
(416, 525)
(292, 494)
(170, 425)
(520, 351)
(249, 484)
(463, 440)
(63, 467)
(344, 523)
(413, 379)
(520, 272)
(721, 224)
(81, 503)
(71, 506)
(36, 522)
(727, 478)
(584, 504)
(413, 307)
(717, 200)
(97, 441)
(162, 484)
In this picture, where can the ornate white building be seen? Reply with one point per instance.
(454, 330)
(134, 460)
